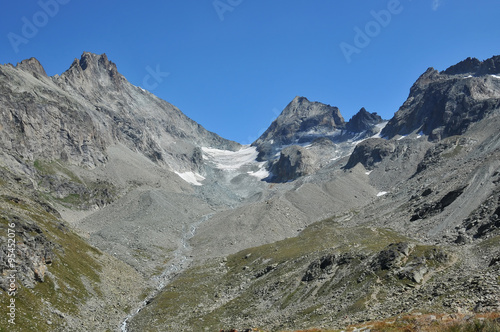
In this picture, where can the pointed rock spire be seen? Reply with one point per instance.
(32, 66)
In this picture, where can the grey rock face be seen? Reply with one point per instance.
(475, 67)
(363, 121)
(370, 152)
(33, 251)
(443, 104)
(32, 66)
(75, 116)
(301, 121)
(294, 161)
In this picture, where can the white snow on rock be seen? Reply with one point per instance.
(382, 193)
(191, 177)
(380, 127)
(241, 161)
(261, 174)
(495, 76)
(231, 160)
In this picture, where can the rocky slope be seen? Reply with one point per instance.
(443, 104)
(74, 117)
(423, 239)
(83, 141)
(302, 121)
(309, 135)
(130, 213)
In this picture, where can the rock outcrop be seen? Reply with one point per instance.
(443, 104)
(363, 121)
(370, 152)
(295, 161)
(300, 122)
(74, 117)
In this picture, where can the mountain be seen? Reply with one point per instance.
(302, 121)
(307, 135)
(74, 117)
(363, 121)
(443, 104)
(422, 236)
(130, 216)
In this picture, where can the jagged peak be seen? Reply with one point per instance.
(301, 106)
(363, 112)
(473, 66)
(300, 99)
(363, 120)
(33, 66)
(469, 65)
(90, 59)
(92, 62)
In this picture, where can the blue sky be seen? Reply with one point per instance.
(233, 65)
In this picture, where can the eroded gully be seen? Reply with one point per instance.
(179, 263)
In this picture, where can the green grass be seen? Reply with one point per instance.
(206, 283)
(89, 191)
(55, 167)
(73, 259)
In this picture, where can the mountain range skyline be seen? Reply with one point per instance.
(128, 211)
(235, 75)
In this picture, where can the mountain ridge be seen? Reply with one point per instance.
(177, 231)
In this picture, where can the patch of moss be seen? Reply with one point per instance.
(55, 167)
(244, 286)
(63, 288)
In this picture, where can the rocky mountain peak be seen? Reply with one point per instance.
(300, 108)
(96, 62)
(473, 66)
(443, 104)
(363, 120)
(33, 66)
(301, 121)
(469, 65)
(92, 70)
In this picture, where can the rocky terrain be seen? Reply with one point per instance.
(129, 216)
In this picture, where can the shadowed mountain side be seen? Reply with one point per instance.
(443, 104)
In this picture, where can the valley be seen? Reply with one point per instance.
(129, 216)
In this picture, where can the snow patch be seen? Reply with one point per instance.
(382, 193)
(368, 173)
(191, 177)
(231, 160)
(495, 76)
(380, 127)
(261, 174)
(237, 162)
(468, 76)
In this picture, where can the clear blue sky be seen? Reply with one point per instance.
(234, 68)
